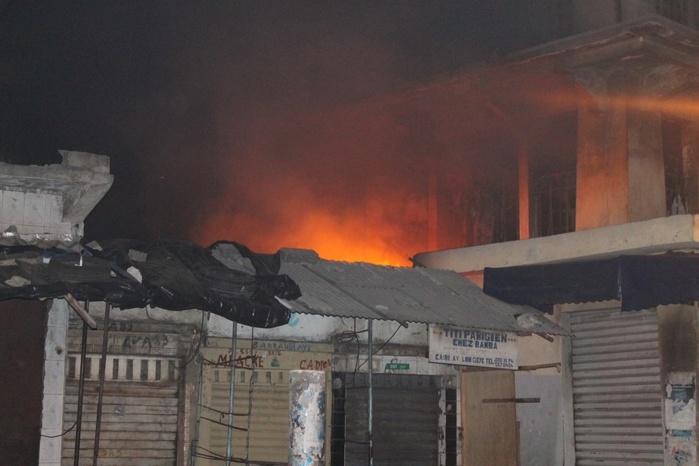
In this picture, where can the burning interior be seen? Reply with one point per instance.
(498, 154)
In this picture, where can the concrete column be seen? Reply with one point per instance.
(523, 153)
(602, 194)
(54, 384)
(307, 411)
(646, 170)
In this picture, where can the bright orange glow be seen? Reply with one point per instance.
(355, 187)
(348, 188)
(334, 237)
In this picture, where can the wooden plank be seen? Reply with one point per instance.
(81, 311)
(153, 436)
(127, 427)
(112, 419)
(127, 452)
(127, 409)
(123, 389)
(118, 461)
(490, 429)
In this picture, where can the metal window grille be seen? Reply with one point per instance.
(554, 204)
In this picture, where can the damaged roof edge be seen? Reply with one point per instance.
(403, 294)
(82, 179)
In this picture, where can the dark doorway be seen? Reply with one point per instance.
(22, 335)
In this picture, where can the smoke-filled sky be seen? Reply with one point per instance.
(225, 120)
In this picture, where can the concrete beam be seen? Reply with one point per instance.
(679, 232)
(81, 180)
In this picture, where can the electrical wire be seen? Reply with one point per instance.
(193, 354)
(64, 433)
(381, 347)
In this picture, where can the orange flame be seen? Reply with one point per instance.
(343, 236)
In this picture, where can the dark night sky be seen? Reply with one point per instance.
(173, 91)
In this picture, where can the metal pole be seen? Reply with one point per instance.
(307, 416)
(229, 444)
(81, 387)
(250, 396)
(103, 370)
(370, 337)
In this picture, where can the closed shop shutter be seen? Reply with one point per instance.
(140, 407)
(617, 398)
(405, 419)
(267, 440)
(261, 398)
(143, 408)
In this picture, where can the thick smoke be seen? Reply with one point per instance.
(240, 120)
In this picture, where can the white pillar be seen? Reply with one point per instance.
(54, 384)
(307, 411)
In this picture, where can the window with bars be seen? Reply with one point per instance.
(553, 203)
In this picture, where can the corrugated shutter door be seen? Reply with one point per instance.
(405, 420)
(139, 411)
(268, 439)
(617, 398)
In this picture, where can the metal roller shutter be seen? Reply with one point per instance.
(617, 399)
(261, 398)
(405, 420)
(268, 439)
(140, 409)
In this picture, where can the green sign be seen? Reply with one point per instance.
(397, 366)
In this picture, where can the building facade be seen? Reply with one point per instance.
(595, 142)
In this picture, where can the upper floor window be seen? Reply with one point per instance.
(680, 168)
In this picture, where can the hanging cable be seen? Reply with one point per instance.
(193, 354)
(63, 433)
(382, 346)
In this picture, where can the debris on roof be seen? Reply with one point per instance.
(169, 274)
(258, 290)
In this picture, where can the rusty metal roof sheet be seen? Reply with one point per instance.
(403, 294)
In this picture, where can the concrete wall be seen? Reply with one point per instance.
(54, 199)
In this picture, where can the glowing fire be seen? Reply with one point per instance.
(354, 188)
(359, 236)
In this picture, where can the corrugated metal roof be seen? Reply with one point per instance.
(403, 294)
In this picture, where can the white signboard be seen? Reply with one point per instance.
(466, 347)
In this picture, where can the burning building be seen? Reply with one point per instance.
(588, 210)
(576, 149)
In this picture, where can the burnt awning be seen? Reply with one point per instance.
(168, 274)
(637, 281)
